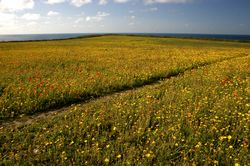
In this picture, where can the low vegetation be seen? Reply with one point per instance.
(198, 116)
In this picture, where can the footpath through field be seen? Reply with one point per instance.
(153, 80)
(199, 116)
(38, 77)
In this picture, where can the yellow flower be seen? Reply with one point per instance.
(106, 160)
(148, 155)
(198, 145)
(229, 137)
(236, 164)
(221, 138)
(119, 156)
(17, 157)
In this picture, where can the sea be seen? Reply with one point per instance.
(39, 37)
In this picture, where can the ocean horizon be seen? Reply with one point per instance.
(41, 37)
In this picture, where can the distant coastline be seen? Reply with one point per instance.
(48, 37)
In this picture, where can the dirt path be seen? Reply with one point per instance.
(26, 120)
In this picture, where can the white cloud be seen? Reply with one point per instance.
(103, 2)
(77, 21)
(88, 18)
(30, 16)
(53, 13)
(51, 2)
(121, 1)
(7, 19)
(16, 5)
(32, 23)
(153, 9)
(166, 1)
(102, 14)
(6, 16)
(99, 17)
(132, 20)
(131, 24)
(79, 3)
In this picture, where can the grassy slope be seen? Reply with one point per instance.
(37, 76)
(201, 117)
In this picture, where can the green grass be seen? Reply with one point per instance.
(199, 116)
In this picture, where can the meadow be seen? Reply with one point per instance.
(127, 101)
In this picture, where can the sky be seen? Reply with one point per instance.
(125, 16)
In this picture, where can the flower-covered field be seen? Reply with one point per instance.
(190, 103)
(37, 76)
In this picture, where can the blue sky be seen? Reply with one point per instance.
(116, 16)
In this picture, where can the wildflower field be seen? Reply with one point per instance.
(125, 100)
